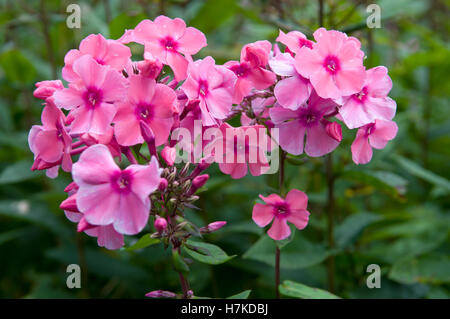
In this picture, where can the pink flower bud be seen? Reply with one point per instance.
(160, 294)
(199, 181)
(150, 67)
(149, 137)
(169, 154)
(160, 224)
(70, 204)
(163, 184)
(72, 186)
(46, 89)
(334, 130)
(212, 227)
(84, 225)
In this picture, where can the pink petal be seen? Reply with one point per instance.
(98, 203)
(164, 101)
(291, 137)
(307, 62)
(262, 215)
(219, 103)
(161, 129)
(272, 199)
(283, 64)
(102, 117)
(361, 150)
(107, 237)
(299, 218)
(90, 72)
(146, 178)
(49, 146)
(95, 166)
(318, 142)
(378, 81)
(383, 132)
(127, 132)
(324, 85)
(191, 41)
(132, 214)
(178, 64)
(292, 92)
(279, 230)
(236, 171)
(380, 108)
(350, 81)
(68, 98)
(114, 87)
(354, 114)
(296, 199)
(262, 78)
(170, 27)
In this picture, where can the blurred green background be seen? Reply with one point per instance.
(393, 212)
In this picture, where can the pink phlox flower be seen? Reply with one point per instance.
(334, 65)
(294, 41)
(306, 120)
(50, 142)
(243, 150)
(108, 195)
(371, 102)
(103, 51)
(92, 96)
(293, 90)
(375, 135)
(251, 71)
(292, 209)
(168, 40)
(213, 86)
(150, 102)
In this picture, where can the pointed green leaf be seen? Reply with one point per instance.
(296, 290)
(206, 253)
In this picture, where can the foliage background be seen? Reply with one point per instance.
(392, 212)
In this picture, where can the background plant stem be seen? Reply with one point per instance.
(277, 250)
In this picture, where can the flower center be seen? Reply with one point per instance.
(361, 96)
(370, 128)
(304, 42)
(121, 181)
(92, 97)
(309, 117)
(281, 210)
(331, 64)
(169, 43)
(240, 69)
(144, 112)
(203, 88)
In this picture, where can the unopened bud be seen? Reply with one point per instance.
(45, 89)
(160, 294)
(213, 227)
(160, 224)
(169, 154)
(200, 180)
(70, 204)
(83, 225)
(149, 137)
(334, 130)
(150, 67)
(163, 184)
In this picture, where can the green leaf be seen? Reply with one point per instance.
(296, 290)
(143, 242)
(206, 253)
(300, 253)
(434, 269)
(384, 181)
(241, 295)
(18, 172)
(213, 14)
(349, 230)
(420, 172)
(17, 68)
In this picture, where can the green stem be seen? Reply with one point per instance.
(330, 215)
(277, 250)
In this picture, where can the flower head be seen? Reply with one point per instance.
(371, 102)
(375, 135)
(309, 121)
(292, 209)
(108, 195)
(334, 65)
(168, 40)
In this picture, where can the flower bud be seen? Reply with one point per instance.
(72, 186)
(150, 67)
(149, 137)
(70, 204)
(198, 182)
(160, 294)
(160, 224)
(169, 154)
(213, 227)
(45, 89)
(84, 225)
(163, 184)
(334, 130)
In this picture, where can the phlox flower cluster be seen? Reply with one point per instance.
(99, 123)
